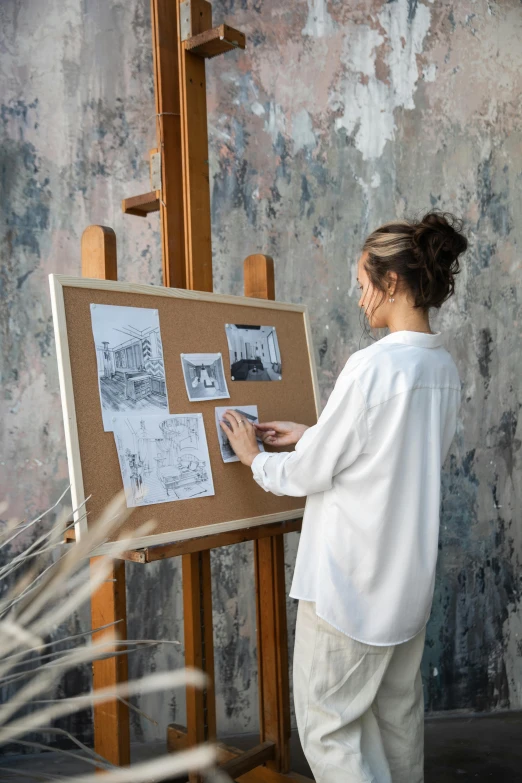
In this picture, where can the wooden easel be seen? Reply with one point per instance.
(182, 38)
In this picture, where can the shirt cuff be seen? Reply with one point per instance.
(258, 464)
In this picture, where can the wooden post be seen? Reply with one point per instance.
(99, 253)
(108, 603)
(258, 272)
(181, 115)
(179, 79)
(199, 645)
(272, 636)
(182, 39)
(165, 45)
(194, 135)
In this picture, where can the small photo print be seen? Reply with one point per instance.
(254, 353)
(129, 357)
(163, 458)
(204, 376)
(247, 412)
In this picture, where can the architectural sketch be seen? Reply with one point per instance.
(247, 412)
(204, 376)
(129, 353)
(163, 458)
(254, 353)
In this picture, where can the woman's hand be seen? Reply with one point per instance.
(280, 433)
(241, 435)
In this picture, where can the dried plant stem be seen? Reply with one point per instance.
(154, 682)
(196, 760)
(41, 600)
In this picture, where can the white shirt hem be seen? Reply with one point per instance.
(362, 641)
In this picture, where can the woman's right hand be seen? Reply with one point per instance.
(280, 433)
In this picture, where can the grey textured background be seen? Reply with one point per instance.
(339, 116)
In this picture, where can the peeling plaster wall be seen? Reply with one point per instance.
(339, 116)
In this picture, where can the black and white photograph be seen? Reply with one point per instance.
(163, 458)
(129, 355)
(204, 376)
(254, 353)
(248, 412)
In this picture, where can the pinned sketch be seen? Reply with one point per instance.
(163, 458)
(129, 354)
(247, 412)
(204, 376)
(254, 353)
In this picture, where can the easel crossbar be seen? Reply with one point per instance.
(153, 553)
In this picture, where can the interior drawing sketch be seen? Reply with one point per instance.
(163, 458)
(254, 352)
(247, 412)
(204, 376)
(129, 354)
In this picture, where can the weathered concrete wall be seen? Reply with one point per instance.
(338, 117)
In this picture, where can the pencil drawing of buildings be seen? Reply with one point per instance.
(163, 459)
(129, 354)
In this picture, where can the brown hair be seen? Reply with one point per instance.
(424, 255)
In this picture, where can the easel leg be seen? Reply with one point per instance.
(111, 720)
(109, 602)
(272, 648)
(269, 556)
(199, 647)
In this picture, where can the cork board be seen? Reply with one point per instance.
(190, 322)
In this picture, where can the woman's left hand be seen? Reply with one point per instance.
(241, 435)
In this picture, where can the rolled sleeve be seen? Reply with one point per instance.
(258, 471)
(325, 449)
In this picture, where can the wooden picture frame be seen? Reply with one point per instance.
(69, 296)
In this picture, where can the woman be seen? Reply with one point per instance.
(370, 469)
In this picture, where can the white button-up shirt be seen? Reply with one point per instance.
(370, 469)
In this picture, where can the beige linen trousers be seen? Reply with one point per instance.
(359, 708)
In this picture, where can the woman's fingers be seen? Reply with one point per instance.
(268, 425)
(266, 434)
(225, 428)
(237, 423)
(232, 419)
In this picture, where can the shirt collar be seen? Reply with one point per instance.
(420, 339)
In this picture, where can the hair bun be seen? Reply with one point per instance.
(423, 254)
(438, 240)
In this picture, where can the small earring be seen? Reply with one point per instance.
(392, 299)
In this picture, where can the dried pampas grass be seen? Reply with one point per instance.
(40, 588)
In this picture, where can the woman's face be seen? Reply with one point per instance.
(370, 299)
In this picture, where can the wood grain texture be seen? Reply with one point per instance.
(259, 276)
(266, 775)
(203, 531)
(269, 563)
(272, 648)
(249, 760)
(111, 720)
(187, 262)
(165, 49)
(199, 648)
(98, 250)
(196, 185)
(153, 553)
(177, 740)
(142, 205)
(219, 40)
(108, 602)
